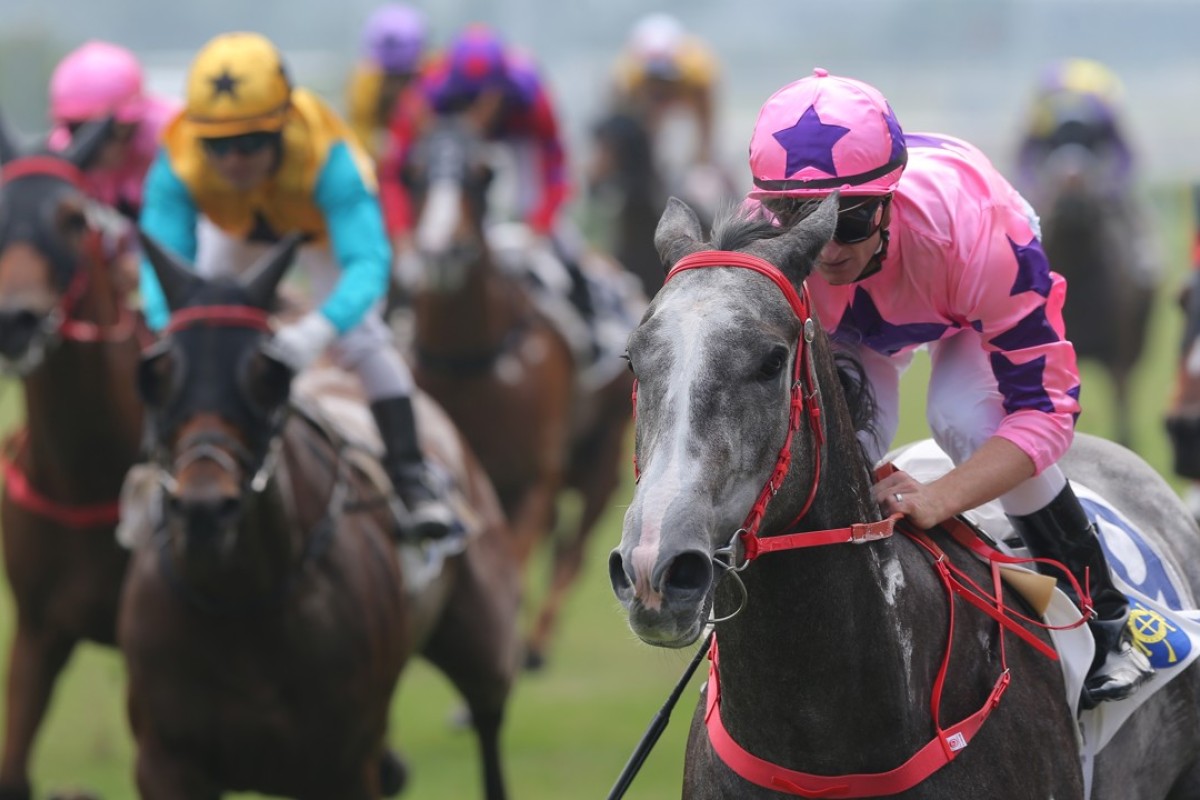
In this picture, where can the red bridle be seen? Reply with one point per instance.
(804, 404)
(948, 741)
(70, 328)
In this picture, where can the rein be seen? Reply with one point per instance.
(948, 741)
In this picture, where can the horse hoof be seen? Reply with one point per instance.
(534, 661)
(393, 774)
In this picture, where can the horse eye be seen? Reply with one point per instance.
(628, 362)
(773, 363)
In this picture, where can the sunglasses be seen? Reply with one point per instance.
(858, 219)
(246, 144)
(121, 131)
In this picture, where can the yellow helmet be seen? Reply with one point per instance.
(237, 84)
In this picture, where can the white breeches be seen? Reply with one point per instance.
(964, 408)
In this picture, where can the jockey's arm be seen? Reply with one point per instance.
(360, 245)
(997, 467)
(169, 217)
(552, 159)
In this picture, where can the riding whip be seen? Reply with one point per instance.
(657, 726)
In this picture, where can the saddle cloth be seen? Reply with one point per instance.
(1163, 616)
(616, 298)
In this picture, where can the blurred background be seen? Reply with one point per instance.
(964, 68)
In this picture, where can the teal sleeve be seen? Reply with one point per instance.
(169, 217)
(357, 236)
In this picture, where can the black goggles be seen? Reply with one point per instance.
(858, 219)
(246, 144)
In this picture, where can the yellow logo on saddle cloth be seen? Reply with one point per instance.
(1155, 637)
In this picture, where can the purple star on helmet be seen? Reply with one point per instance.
(809, 143)
(897, 135)
(224, 83)
(862, 323)
(1033, 269)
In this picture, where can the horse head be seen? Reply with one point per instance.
(716, 358)
(448, 174)
(44, 238)
(217, 399)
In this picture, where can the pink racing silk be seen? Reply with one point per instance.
(964, 252)
(122, 187)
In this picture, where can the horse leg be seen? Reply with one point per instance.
(474, 646)
(532, 517)
(37, 657)
(596, 483)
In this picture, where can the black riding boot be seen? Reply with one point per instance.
(1061, 531)
(428, 515)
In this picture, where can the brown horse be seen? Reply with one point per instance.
(503, 372)
(66, 331)
(267, 617)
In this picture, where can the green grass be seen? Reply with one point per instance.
(571, 729)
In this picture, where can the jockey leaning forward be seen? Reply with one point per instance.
(501, 92)
(258, 159)
(934, 248)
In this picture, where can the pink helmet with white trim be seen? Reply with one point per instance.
(96, 79)
(823, 133)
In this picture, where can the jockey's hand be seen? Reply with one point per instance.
(299, 344)
(902, 493)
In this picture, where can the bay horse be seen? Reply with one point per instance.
(1183, 414)
(1091, 238)
(828, 655)
(503, 372)
(67, 332)
(267, 618)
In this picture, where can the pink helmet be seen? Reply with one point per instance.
(96, 79)
(822, 133)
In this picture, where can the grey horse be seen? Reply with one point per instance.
(829, 655)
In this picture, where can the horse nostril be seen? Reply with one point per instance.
(689, 572)
(18, 327)
(620, 579)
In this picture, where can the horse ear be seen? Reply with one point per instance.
(177, 280)
(261, 280)
(85, 144)
(8, 142)
(795, 251)
(678, 233)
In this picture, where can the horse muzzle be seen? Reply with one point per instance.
(25, 336)
(668, 598)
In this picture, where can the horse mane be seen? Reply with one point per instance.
(737, 229)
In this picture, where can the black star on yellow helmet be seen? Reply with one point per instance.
(237, 85)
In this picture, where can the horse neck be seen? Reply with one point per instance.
(473, 318)
(819, 650)
(82, 412)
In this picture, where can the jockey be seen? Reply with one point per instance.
(500, 90)
(93, 81)
(393, 46)
(1078, 103)
(663, 67)
(947, 257)
(258, 159)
